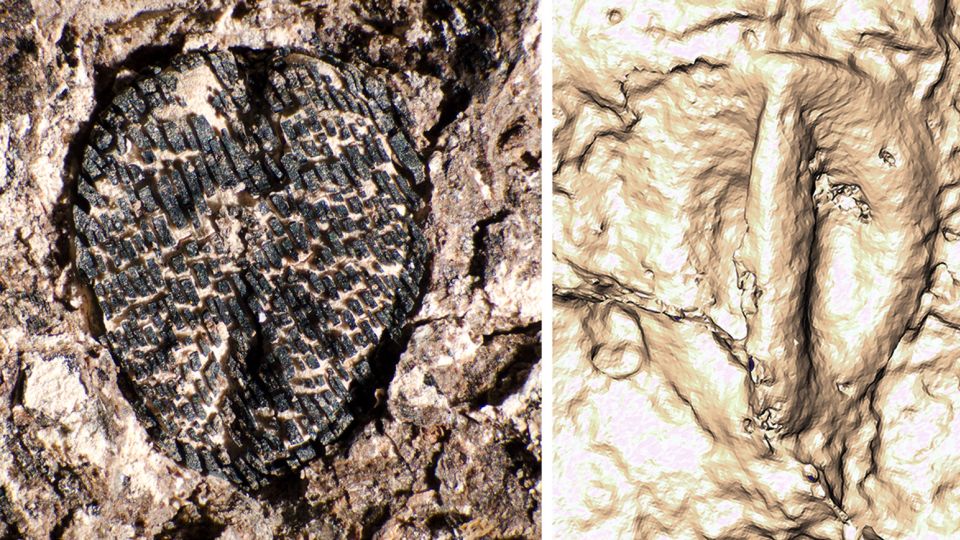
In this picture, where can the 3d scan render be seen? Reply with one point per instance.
(270, 270)
(757, 270)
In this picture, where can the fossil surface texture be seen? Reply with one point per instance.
(269, 269)
(757, 319)
(245, 275)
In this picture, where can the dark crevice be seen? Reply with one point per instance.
(522, 458)
(446, 521)
(192, 521)
(16, 394)
(516, 129)
(531, 329)
(430, 472)
(67, 46)
(431, 478)
(512, 377)
(479, 260)
(387, 357)
(240, 10)
(8, 518)
(108, 79)
(62, 526)
(530, 162)
(374, 518)
(256, 353)
(455, 100)
(289, 493)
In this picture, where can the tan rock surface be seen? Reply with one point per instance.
(448, 448)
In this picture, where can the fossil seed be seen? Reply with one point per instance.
(246, 222)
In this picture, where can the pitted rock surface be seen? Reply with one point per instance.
(247, 224)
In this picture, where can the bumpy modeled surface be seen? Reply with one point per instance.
(247, 226)
(756, 282)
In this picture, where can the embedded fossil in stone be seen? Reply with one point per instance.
(248, 227)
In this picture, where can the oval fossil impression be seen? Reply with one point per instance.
(246, 221)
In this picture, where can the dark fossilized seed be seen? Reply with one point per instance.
(246, 222)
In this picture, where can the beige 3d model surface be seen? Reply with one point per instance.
(757, 280)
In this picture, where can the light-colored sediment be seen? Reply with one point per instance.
(451, 447)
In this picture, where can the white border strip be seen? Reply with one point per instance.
(546, 253)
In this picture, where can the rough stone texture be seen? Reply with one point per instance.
(449, 444)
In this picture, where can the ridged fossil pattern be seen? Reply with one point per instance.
(246, 221)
